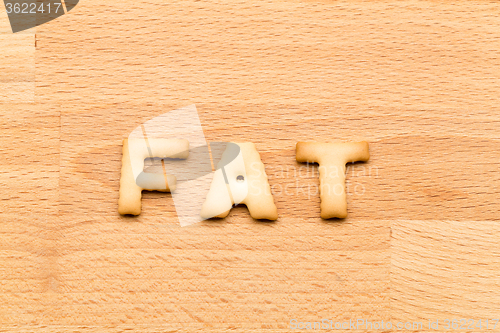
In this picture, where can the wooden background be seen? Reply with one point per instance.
(419, 80)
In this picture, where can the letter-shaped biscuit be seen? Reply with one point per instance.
(244, 180)
(133, 179)
(332, 158)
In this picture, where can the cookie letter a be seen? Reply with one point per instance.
(240, 178)
(332, 158)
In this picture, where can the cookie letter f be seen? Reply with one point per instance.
(133, 179)
(332, 158)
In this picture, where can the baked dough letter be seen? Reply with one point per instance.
(332, 158)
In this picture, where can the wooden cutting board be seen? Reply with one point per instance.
(418, 80)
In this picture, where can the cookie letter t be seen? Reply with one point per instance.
(332, 158)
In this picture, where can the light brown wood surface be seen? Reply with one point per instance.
(418, 80)
(17, 63)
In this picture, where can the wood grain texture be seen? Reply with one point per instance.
(418, 80)
(17, 63)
